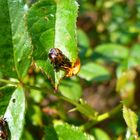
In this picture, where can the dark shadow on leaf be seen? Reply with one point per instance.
(101, 78)
(108, 59)
(50, 133)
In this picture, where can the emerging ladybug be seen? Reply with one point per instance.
(3, 129)
(60, 61)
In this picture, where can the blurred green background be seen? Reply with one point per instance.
(109, 50)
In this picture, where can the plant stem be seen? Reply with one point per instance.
(34, 87)
(8, 82)
(109, 114)
(25, 85)
(102, 117)
(75, 103)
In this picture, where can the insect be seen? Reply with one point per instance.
(60, 61)
(3, 129)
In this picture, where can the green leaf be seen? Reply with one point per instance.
(135, 51)
(116, 127)
(84, 44)
(52, 24)
(111, 52)
(5, 96)
(83, 39)
(20, 38)
(36, 115)
(6, 50)
(83, 107)
(131, 119)
(94, 72)
(130, 136)
(66, 132)
(50, 133)
(15, 113)
(125, 86)
(27, 135)
(132, 61)
(15, 44)
(99, 134)
(71, 89)
(125, 66)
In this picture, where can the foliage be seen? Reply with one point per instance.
(38, 100)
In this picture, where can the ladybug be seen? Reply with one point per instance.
(3, 129)
(60, 61)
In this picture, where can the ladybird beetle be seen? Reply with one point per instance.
(60, 61)
(3, 129)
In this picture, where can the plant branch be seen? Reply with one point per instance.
(90, 115)
(94, 120)
(8, 82)
(102, 117)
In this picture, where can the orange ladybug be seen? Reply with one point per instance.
(60, 61)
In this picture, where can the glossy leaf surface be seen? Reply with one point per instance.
(20, 39)
(71, 89)
(94, 72)
(52, 24)
(15, 44)
(15, 113)
(99, 134)
(111, 52)
(67, 132)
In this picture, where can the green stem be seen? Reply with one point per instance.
(3, 87)
(75, 103)
(66, 99)
(43, 89)
(8, 82)
(102, 117)
(34, 87)
(109, 114)
(26, 85)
